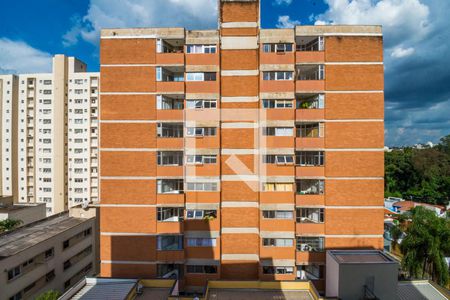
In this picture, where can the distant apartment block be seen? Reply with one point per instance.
(240, 153)
(54, 253)
(49, 135)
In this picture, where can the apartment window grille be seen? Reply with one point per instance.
(170, 130)
(205, 49)
(279, 48)
(278, 131)
(277, 187)
(201, 131)
(310, 130)
(272, 103)
(170, 214)
(278, 75)
(310, 215)
(170, 186)
(310, 186)
(201, 269)
(166, 103)
(201, 104)
(201, 242)
(277, 270)
(170, 158)
(169, 242)
(311, 102)
(274, 242)
(278, 159)
(309, 158)
(278, 214)
(200, 214)
(201, 159)
(310, 72)
(310, 244)
(202, 186)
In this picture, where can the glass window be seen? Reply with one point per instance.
(309, 158)
(310, 215)
(310, 186)
(310, 244)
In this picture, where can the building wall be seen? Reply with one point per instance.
(351, 140)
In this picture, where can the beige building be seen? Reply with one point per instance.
(51, 254)
(49, 136)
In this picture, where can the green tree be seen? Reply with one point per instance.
(425, 246)
(49, 295)
(9, 224)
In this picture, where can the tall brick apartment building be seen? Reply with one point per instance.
(239, 153)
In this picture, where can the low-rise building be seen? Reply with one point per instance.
(50, 254)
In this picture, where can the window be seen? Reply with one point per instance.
(310, 272)
(169, 242)
(170, 130)
(199, 76)
(272, 103)
(14, 272)
(170, 186)
(200, 131)
(170, 214)
(47, 101)
(170, 158)
(201, 242)
(201, 104)
(278, 214)
(270, 242)
(309, 158)
(201, 269)
(310, 215)
(200, 214)
(201, 186)
(310, 130)
(201, 159)
(278, 131)
(280, 48)
(278, 75)
(47, 121)
(311, 101)
(164, 103)
(277, 270)
(47, 92)
(278, 159)
(310, 186)
(277, 187)
(207, 49)
(47, 82)
(311, 44)
(311, 244)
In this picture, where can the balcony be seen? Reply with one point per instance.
(310, 49)
(170, 79)
(309, 164)
(174, 58)
(310, 78)
(170, 135)
(310, 107)
(310, 135)
(277, 81)
(170, 163)
(277, 54)
(169, 107)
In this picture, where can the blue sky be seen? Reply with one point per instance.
(416, 40)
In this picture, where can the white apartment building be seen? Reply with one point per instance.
(55, 150)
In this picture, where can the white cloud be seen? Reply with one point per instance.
(402, 20)
(19, 57)
(281, 2)
(192, 14)
(400, 52)
(286, 22)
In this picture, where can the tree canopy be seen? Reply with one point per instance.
(425, 246)
(421, 175)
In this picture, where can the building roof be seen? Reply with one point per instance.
(360, 256)
(407, 290)
(244, 294)
(22, 238)
(101, 288)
